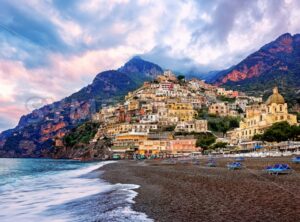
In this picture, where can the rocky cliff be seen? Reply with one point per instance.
(35, 133)
(276, 63)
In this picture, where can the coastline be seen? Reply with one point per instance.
(183, 191)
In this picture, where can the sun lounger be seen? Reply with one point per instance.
(278, 169)
(296, 159)
(239, 159)
(234, 166)
(197, 162)
(211, 164)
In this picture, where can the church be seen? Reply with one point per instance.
(259, 117)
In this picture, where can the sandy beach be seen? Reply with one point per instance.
(184, 191)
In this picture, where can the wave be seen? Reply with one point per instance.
(68, 195)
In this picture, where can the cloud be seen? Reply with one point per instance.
(53, 48)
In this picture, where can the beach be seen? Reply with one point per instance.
(185, 191)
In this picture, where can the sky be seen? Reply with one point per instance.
(52, 48)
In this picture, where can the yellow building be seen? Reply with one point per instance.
(152, 146)
(184, 111)
(114, 129)
(259, 117)
(127, 142)
(133, 105)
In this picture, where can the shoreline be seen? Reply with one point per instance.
(184, 191)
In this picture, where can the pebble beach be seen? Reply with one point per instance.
(188, 190)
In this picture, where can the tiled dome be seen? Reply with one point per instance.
(275, 98)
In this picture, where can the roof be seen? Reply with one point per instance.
(275, 98)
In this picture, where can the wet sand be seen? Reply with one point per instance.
(184, 191)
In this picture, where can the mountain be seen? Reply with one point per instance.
(276, 63)
(35, 132)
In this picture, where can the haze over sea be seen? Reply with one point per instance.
(62, 190)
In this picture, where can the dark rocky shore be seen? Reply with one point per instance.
(183, 191)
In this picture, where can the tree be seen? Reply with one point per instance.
(281, 131)
(205, 140)
(81, 134)
(219, 145)
(223, 124)
(169, 128)
(226, 99)
(257, 137)
(295, 132)
(180, 78)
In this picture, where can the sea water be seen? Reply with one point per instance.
(62, 190)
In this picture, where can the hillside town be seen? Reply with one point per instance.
(165, 118)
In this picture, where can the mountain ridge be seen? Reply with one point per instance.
(33, 136)
(276, 63)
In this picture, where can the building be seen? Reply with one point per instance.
(133, 105)
(259, 117)
(184, 111)
(146, 128)
(182, 146)
(150, 147)
(150, 118)
(192, 126)
(127, 142)
(219, 109)
(170, 75)
(115, 129)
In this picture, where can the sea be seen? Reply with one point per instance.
(62, 190)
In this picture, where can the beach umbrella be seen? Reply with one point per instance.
(257, 147)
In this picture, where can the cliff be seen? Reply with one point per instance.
(35, 133)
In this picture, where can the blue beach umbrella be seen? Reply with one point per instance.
(257, 147)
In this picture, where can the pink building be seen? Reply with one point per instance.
(182, 146)
(235, 94)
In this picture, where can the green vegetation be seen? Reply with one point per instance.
(202, 113)
(81, 134)
(218, 145)
(169, 128)
(223, 124)
(204, 140)
(181, 77)
(226, 99)
(217, 123)
(281, 131)
(288, 83)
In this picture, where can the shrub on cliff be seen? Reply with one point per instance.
(81, 134)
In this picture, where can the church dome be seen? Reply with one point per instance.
(275, 98)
